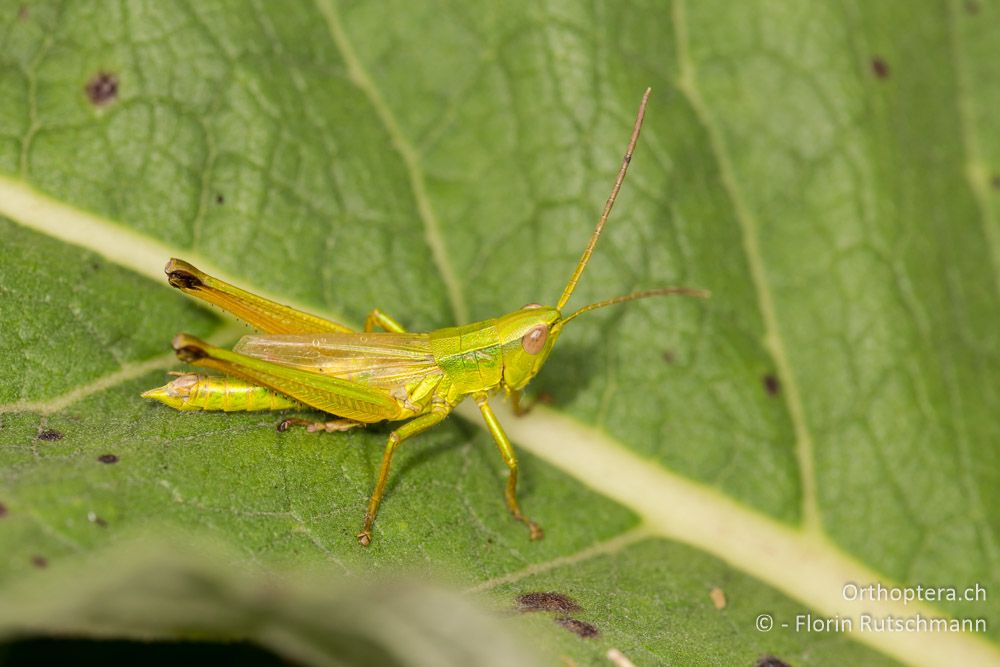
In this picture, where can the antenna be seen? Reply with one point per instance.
(571, 285)
(663, 291)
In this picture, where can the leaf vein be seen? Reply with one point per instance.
(773, 341)
(411, 160)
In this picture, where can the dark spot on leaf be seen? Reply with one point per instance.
(49, 434)
(93, 518)
(771, 384)
(995, 181)
(578, 627)
(770, 661)
(219, 199)
(39, 561)
(972, 7)
(95, 266)
(22, 12)
(3, 510)
(102, 89)
(669, 356)
(880, 67)
(546, 601)
(107, 458)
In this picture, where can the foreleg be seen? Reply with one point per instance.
(507, 451)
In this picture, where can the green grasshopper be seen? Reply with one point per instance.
(304, 361)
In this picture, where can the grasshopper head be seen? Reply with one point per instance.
(527, 337)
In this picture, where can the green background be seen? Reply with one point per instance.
(829, 170)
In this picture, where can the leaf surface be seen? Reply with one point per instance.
(827, 171)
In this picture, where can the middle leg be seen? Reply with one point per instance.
(409, 429)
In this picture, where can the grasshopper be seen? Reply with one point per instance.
(304, 361)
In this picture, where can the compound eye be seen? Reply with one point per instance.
(534, 340)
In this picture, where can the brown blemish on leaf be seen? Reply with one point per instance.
(546, 601)
(995, 181)
(718, 597)
(880, 67)
(219, 199)
(22, 12)
(669, 356)
(770, 661)
(771, 384)
(94, 519)
(972, 7)
(107, 458)
(39, 561)
(49, 434)
(3, 510)
(102, 89)
(578, 627)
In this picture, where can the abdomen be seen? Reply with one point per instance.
(192, 391)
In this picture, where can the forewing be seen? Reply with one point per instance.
(331, 394)
(384, 360)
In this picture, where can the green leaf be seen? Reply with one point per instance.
(144, 591)
(828, 171)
